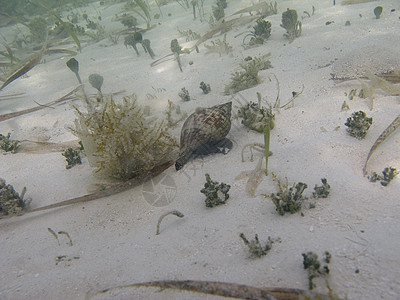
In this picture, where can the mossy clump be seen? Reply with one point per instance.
(358, 124)
(247, 78)
(388, 174)
(289, 199)
(128, 21)
(322, 191)
(216, 193)
(72, 157)
(7, 144)
(218, 11)
(261, 32)
(10, 201)
(38, 29)
(205, 87)
(184, 94)
(256, 250)
(314, 267)
(256, 116)
(291, 23)
(262, 29)
(120, 141)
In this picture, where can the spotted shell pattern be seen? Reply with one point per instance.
(206, 125)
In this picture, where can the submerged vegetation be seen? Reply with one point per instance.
(358, 124)
(7, 144)
(10, 201)
(120, 142)
(220, 47)
(73, 157)
(291, 23)
(247, 78)
(184, 94)
(205, 87)
(314, 266)
(216, 193)
(290, 199)
(256, 250)
(256, 117)
(260, 33)
(388, 174)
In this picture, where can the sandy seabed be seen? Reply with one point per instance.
(113, 238)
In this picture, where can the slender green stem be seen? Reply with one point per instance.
(266, 142)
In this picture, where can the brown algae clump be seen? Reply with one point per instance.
(120, 141)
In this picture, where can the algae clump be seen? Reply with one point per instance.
(291, 23)
(358, 124)
(248, 77)
(120, 141)
(10, 201)
(216, 193)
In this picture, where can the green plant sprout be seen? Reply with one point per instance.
(312, 264)
(291, 23)
(147, 48)
(132, 40)
(184, 94)
(388, 174)
(7, 144)
(322, 191)
(205, 87)
(73, 65)
(216, 193)
(378, 11)
(358, 124)
(10, 201)
(96, 81)
(194, 4)
(255, 248)
(176, 50)
(266, 145)
(72, 157)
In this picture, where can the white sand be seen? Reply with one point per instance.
(114, 241)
